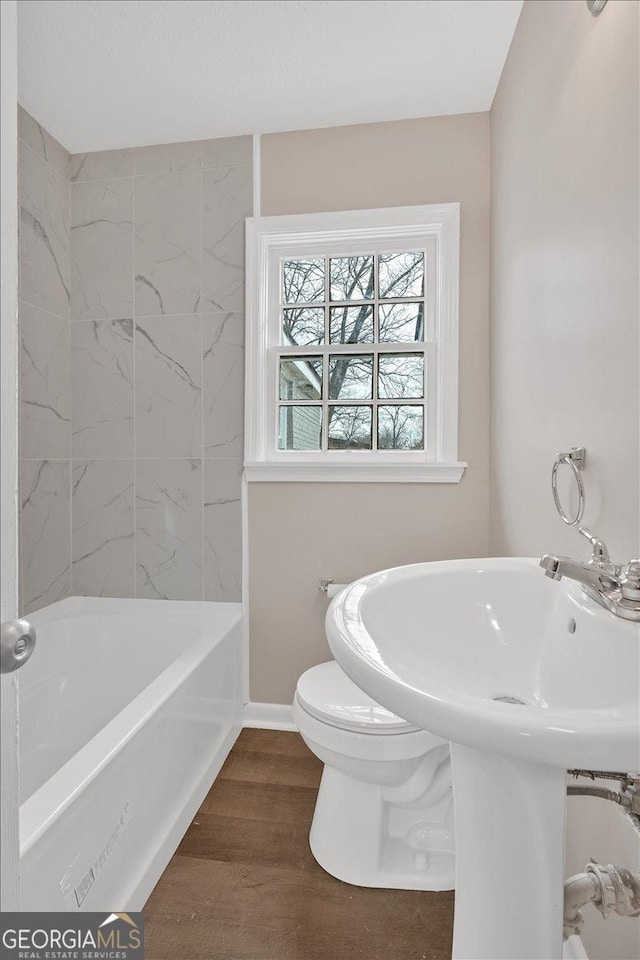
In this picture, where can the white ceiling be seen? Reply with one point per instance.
(103, 74)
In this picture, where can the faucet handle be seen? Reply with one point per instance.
(600, 555)
(599, 551)
(630, 581)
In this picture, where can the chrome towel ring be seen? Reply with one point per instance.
(575, 460)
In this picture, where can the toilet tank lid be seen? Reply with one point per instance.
(327, 693)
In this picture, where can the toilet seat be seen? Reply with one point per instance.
(326, 693)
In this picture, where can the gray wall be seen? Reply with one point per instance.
(564, 291)
(300, 532)
(139, 494)
(564, 322)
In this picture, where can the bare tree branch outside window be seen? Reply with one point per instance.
(354, 300)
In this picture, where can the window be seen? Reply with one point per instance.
(352, 346)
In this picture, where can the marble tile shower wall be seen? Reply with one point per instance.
(154, 401)
(45, 367)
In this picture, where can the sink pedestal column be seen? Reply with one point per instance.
(510, 836)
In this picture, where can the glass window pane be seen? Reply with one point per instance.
(303, 281)
(350, 428)
(300, 428)
(401, 275)
(400, 428)
(350, 378)
(351, 324)
(352, 278)
(303, 326)
(300, 378)
(401, 322)
(401, 375)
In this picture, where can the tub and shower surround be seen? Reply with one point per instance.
(44, 314)
(132, 369)
(113, 772)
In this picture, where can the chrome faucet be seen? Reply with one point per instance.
(589, 576)
(615, 588)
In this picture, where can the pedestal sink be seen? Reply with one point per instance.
(527, 678)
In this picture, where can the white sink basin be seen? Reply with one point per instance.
(439, 644)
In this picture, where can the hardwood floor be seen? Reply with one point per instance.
(243, 884)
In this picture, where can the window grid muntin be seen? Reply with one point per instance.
(357, 348)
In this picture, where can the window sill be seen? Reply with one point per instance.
(306, 472)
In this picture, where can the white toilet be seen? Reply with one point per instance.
(384, 813)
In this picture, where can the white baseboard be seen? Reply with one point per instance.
(269, 716)
(573, 949)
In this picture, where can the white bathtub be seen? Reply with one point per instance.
(128, 709)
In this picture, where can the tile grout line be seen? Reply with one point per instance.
(51, 313)
(70, 449)
(19, 321)
(202, 391)
(245, 597)
(126, 459)
(143, 316)
(128, 176)
(134, 585)
(45, 160)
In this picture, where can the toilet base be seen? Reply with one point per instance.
(362, 835)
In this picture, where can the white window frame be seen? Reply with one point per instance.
(434, 228)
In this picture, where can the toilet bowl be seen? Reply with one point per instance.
(384, 813)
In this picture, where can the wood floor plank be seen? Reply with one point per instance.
(243, 884)
(272, 768)
(248, 841)
(273, 741)
(186, 938)
(260, 801)
(230, 890)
